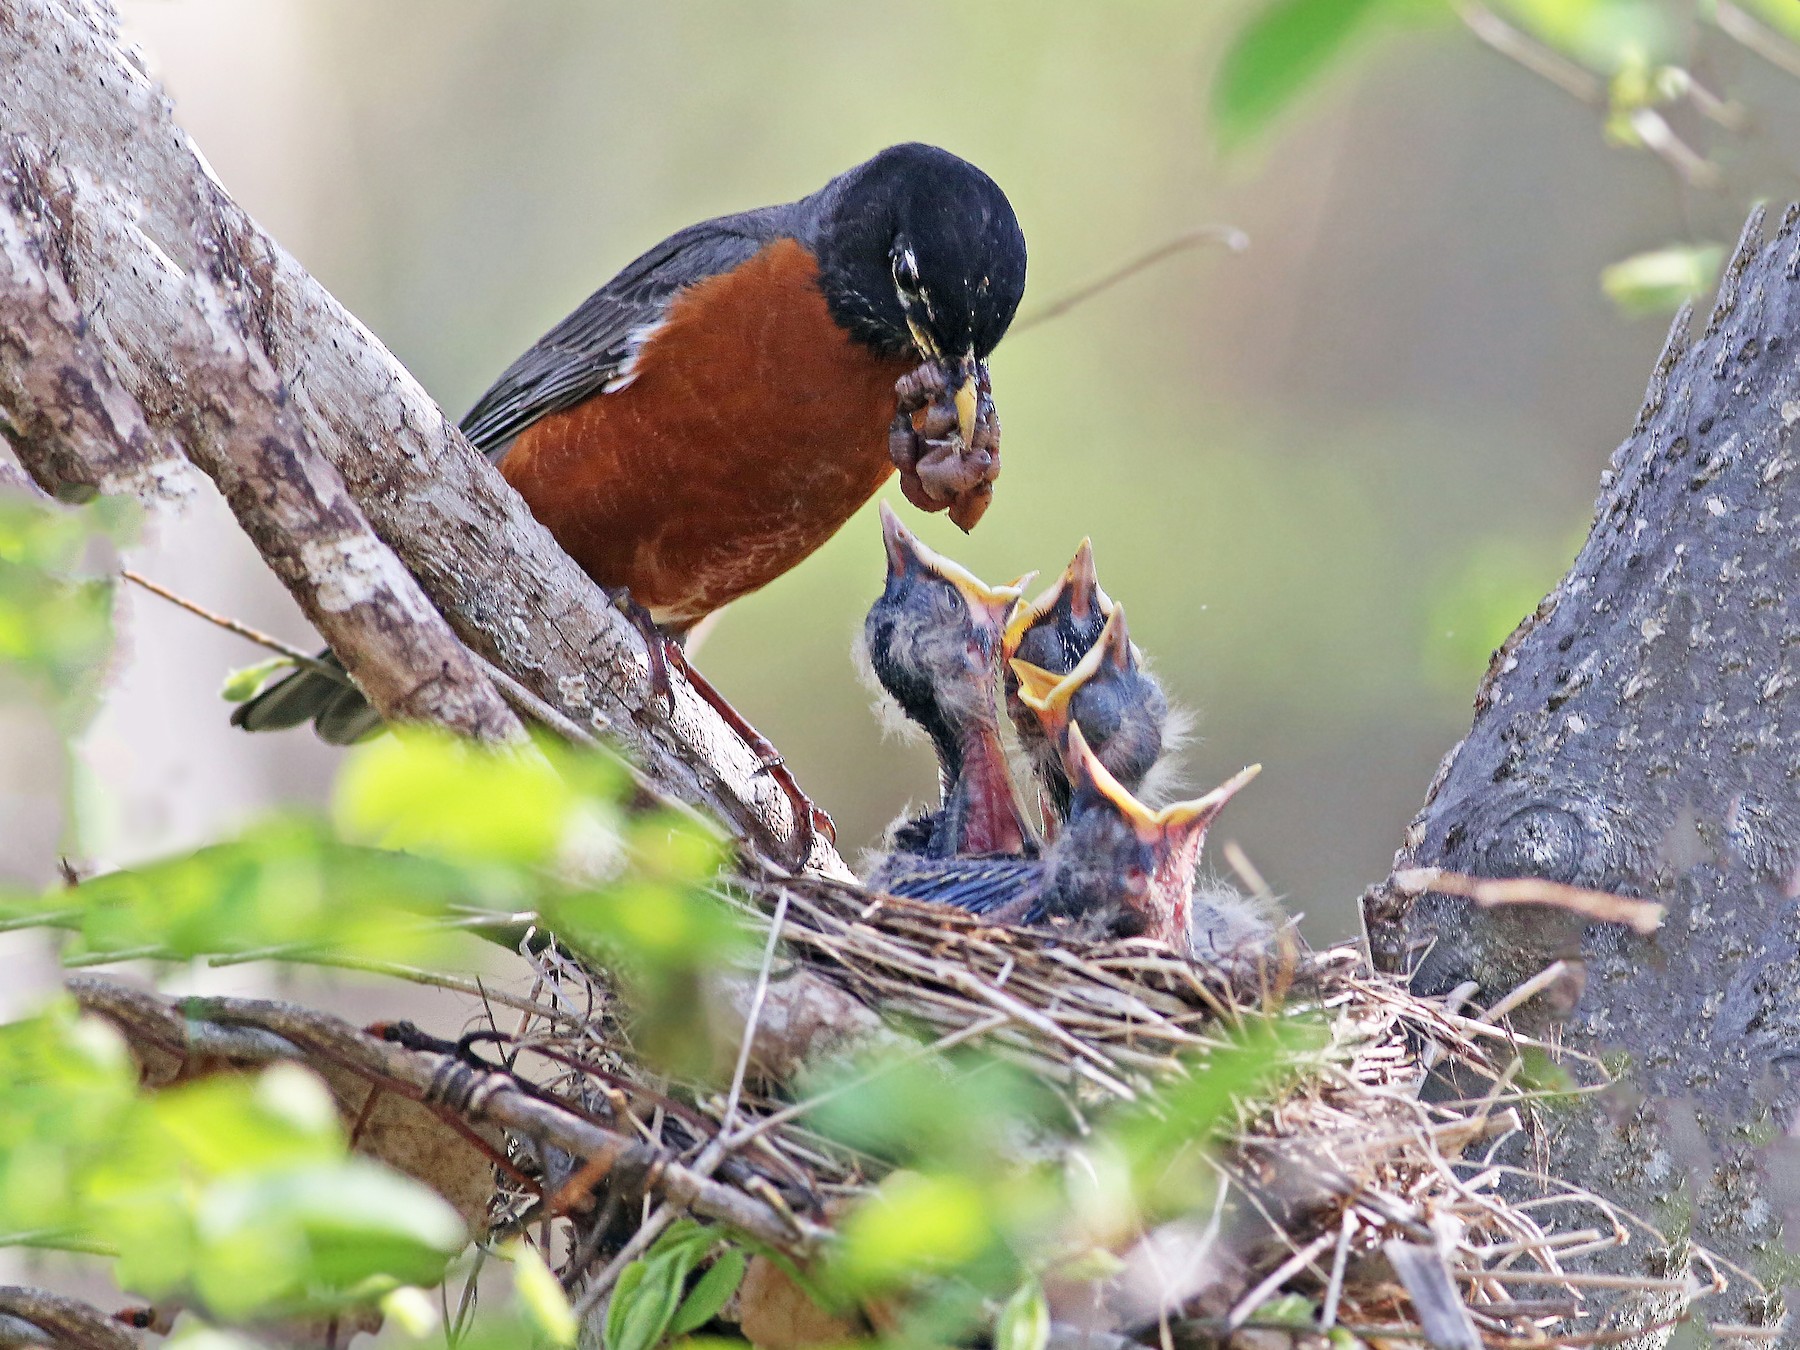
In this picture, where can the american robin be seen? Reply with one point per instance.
(1118, 869)
(1121, 710)
(712, 415)
(933, 642)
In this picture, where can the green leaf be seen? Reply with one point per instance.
(712, 1292)
(542, 1294)
(1662, 280)
(285, 881)
(913, 1225)
(427, 792)
(1606, 36)
(246, 682)
(1024, 1321)
(1276, 56)
(55, 621)
(639, 1315)
(318, 1233)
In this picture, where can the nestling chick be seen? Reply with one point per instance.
(1119, 869)
(1121, 710)
(933, 641)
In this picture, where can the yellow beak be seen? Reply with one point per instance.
(965, 410)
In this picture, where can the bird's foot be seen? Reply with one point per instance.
(810, 820)
(938, 471)
(665, 654)
(658, 645)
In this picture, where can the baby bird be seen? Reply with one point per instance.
(1056, 630)
(1118, 869)
(933, 641)
(1121, 710)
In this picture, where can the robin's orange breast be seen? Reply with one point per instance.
(755, 427)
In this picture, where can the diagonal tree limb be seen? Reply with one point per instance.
(34, 1317)
(494, 572)
(84, 429)
(259, 1031)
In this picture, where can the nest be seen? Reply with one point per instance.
(1395, 1217)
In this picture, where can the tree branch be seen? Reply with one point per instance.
(494, 572)
(1639, 735)
(175, 331)
(259, 1031)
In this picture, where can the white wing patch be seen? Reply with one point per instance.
(634, 346)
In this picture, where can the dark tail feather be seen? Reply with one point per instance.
(336, 708)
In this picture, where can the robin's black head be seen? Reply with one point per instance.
(920, 254)
(933, 639)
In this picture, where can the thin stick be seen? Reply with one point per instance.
(1641, 916)
(1231, 237)
(757, 996)
(243, 630)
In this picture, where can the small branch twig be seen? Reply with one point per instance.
(1641, 916)
(1226, 235)
(231, 625)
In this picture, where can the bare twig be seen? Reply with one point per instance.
(1641, 916)
(231, 625)
(1225, 235)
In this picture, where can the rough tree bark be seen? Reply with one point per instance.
(1639, 733)
(79, 427)
(495, 573)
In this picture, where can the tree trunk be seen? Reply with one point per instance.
(1638, 734)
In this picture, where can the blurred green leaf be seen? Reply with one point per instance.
(642, 1309)
(1024, 1321)
(317, 1234)
(237, 1187)
(246, 682)
(962, 1113)
(413, 1310)
(1276, 57)
(55, 615)
(1606, 36)
(1662, 280)
(542, 1294)
(432, 794)
(1164, 1139)
(710, 1293)
(913, 1224)
(67, 1085)
(284, 881)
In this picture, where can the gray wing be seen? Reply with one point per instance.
(594, 345)
(980, 885)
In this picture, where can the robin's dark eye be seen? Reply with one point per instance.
(906, 270)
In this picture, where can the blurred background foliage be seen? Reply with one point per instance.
(1327, 474)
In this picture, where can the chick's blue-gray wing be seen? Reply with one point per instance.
(594, 349)
(994, 887)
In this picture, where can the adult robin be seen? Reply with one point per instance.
(1121, 710)
(933, 642)
(713, 414)
(1117, 869)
